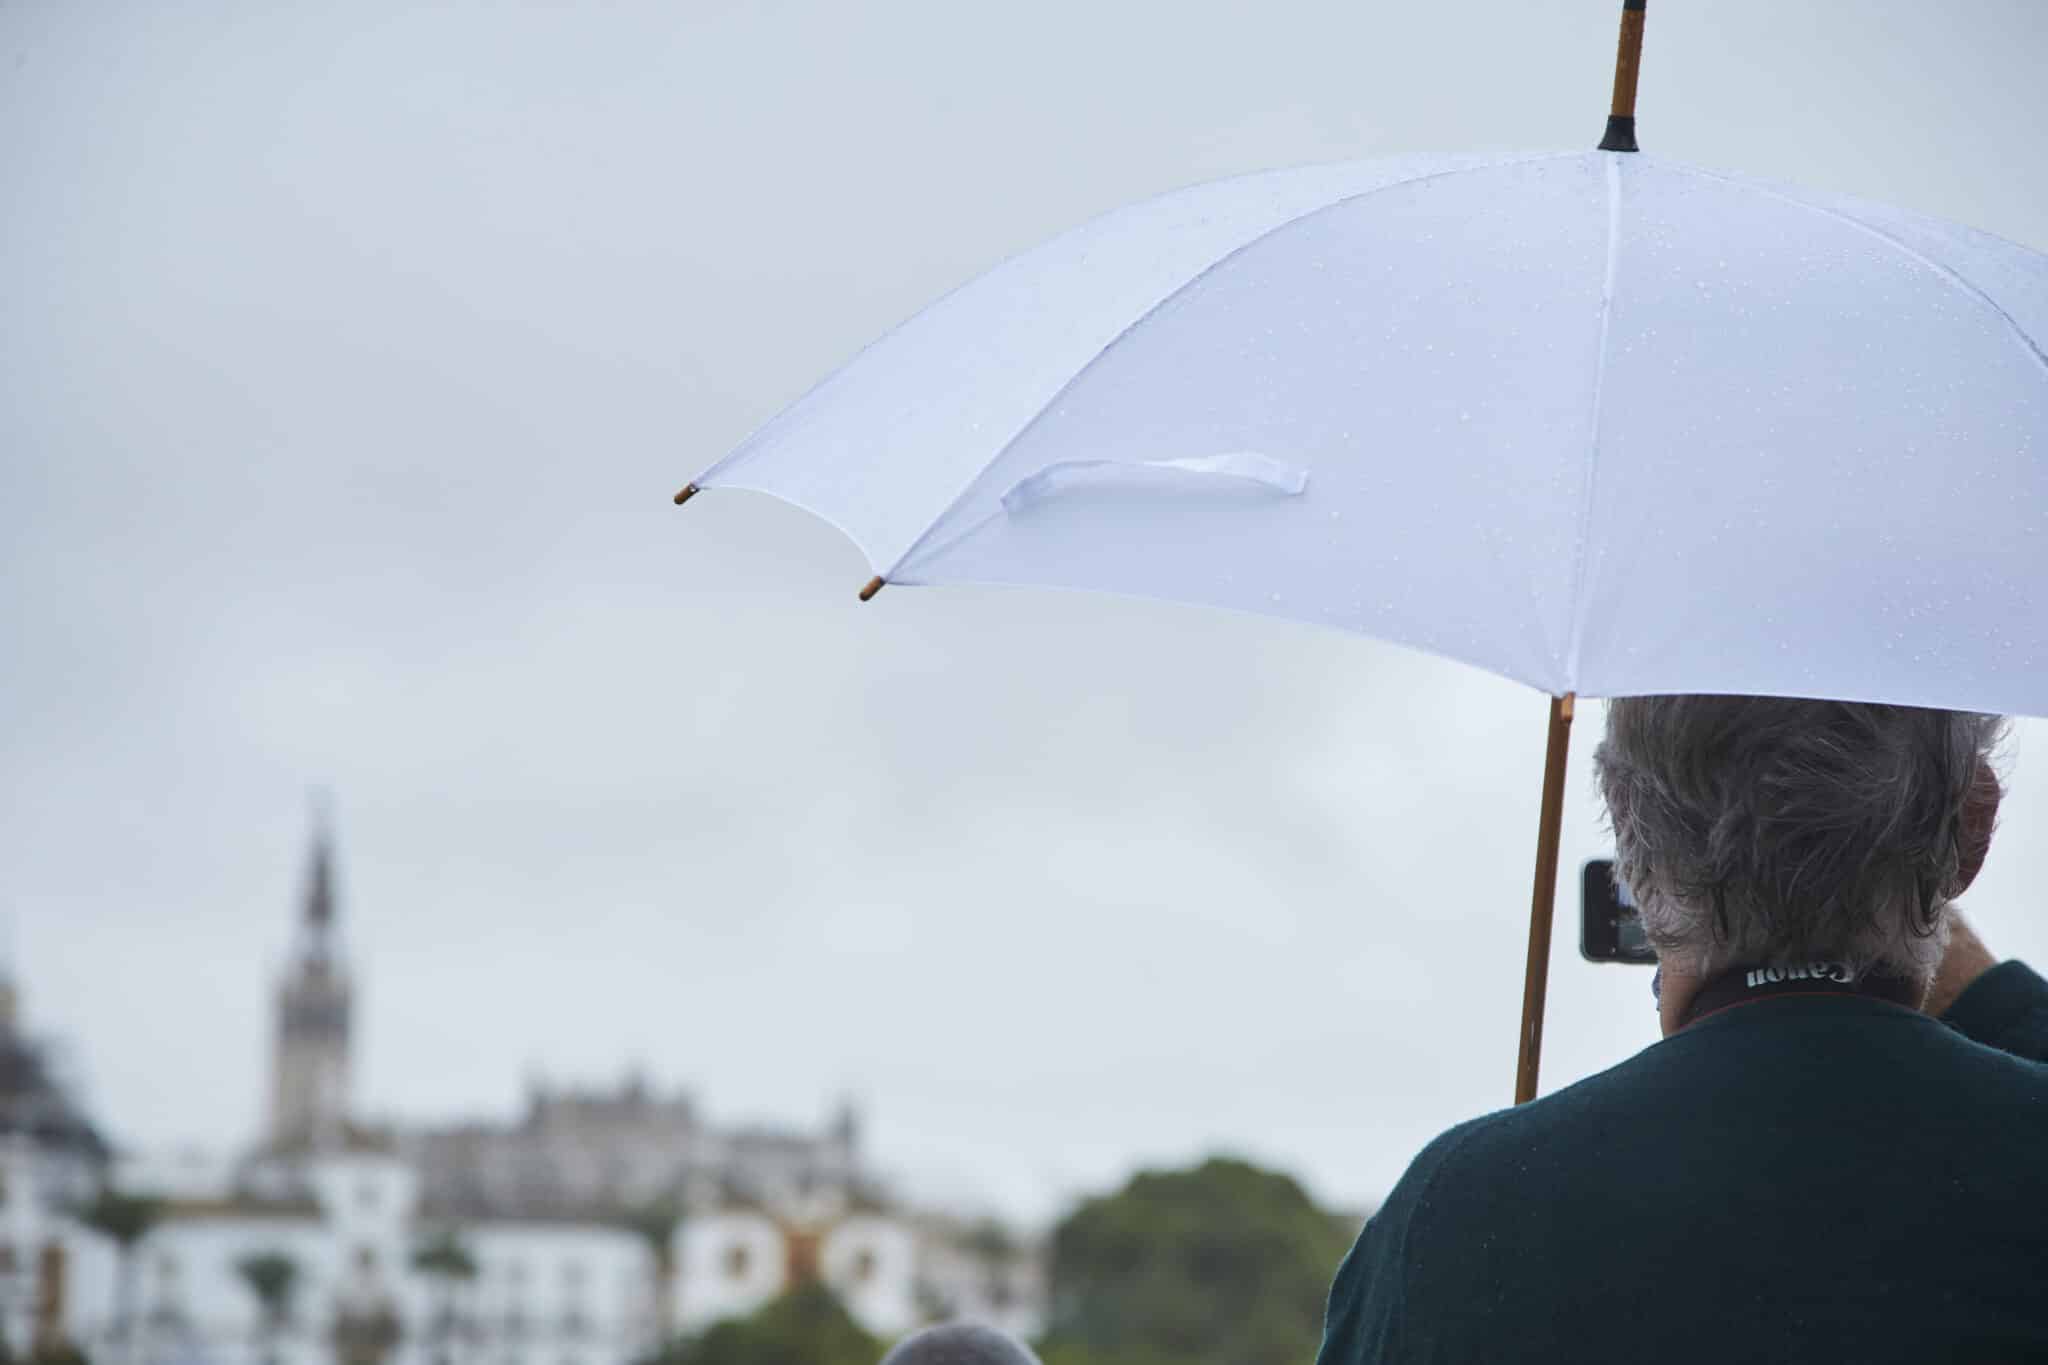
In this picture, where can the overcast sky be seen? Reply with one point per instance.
(349, 354)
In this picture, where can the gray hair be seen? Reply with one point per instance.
(1774, 831)
(960, 1343)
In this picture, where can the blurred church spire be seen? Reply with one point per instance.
(309, 1092)
(317, 924)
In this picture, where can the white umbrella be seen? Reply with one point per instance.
(1601, 423)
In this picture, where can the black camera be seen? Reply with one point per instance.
(1610, 930)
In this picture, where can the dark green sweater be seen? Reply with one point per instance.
(1808, 1178)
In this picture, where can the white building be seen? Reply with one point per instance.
(587, 1232)
(366, 1286)
(980, 1270)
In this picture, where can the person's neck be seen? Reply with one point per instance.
(1675, 991)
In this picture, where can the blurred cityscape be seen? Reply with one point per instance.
(596, 1228)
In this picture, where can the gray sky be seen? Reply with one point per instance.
(351, 353)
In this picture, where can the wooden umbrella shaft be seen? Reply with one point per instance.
(1628, 63)
(1549, 825)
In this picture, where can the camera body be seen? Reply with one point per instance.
(1610, 930)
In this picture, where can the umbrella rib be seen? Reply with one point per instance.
(1947, 273)
(889, 574)
(1575, 630)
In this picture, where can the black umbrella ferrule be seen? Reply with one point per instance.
(1621, 134)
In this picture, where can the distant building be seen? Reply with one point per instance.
(593, 1227)
(629, 1149)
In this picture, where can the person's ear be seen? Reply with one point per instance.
(1973, 830)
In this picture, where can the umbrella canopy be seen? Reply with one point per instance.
(1601, 423)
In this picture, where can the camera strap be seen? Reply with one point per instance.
(1746, 985)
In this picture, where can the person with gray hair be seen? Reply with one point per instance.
(960, 1343)
(1835, 1152)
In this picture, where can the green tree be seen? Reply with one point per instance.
(446, 1262)
(62, 1352)
(271, 1276)
(126, 1219)
(806, 1326)
(657, 1225)
(1225, 1264)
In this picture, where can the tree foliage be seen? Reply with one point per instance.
(1225, 1264)
(270, 1276)
(60, 1352)
(126, 1218)
(445, 1258)
(656, 1225)
(806, 1326)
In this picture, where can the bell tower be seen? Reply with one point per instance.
(309, 1070)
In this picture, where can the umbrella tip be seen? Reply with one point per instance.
(689, 491)
(874, 585)
(1628, 62)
